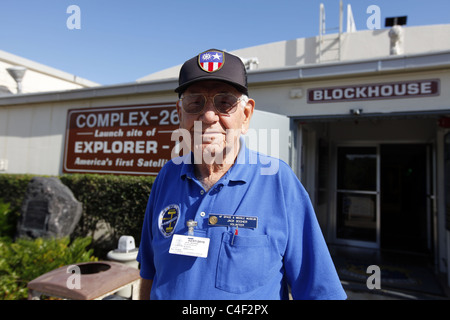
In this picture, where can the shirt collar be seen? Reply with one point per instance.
(235, 174)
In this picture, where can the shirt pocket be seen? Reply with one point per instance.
(243, 262)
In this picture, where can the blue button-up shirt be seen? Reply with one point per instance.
(286, 247)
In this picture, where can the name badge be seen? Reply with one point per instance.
(189, 246)
(232, 221)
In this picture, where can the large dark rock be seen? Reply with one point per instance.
(48, 210)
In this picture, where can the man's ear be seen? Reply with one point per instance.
(179, 110)
(248, 112)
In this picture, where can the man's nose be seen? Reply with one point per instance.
(209, 111)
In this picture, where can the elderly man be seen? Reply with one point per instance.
(217, 226)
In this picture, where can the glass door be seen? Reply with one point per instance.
(357, 196)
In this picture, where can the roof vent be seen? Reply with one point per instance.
(250, 63)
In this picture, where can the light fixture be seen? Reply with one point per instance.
(17, 73)
(356, 112)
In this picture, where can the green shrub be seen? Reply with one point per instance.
(120, 201)
(13, 188)
(25, 259)
(12, 191)
(7, 227)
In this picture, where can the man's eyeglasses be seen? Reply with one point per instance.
(224, 103)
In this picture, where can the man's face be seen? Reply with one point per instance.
(212, 133)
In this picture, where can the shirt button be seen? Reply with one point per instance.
(202, 192)
(202, 214)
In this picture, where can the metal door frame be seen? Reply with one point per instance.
(358, 243)
(431, 188)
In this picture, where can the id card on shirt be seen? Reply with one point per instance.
(189, 246)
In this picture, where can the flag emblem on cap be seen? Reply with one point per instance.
(211, 61)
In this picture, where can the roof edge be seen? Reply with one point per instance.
(41, 68)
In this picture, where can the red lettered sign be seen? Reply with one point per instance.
(130, 140)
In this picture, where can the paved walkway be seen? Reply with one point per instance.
(360, 292)
(403, 276)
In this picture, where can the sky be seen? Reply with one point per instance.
(122, 41)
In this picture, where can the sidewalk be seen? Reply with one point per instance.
(403, 276)
(360, 292)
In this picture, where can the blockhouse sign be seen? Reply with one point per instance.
(390, 90)
(131, 140)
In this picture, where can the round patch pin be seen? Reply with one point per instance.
(211, 61)
(213, 220)
(168, 219)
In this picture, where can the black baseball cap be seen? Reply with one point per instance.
(213, 64)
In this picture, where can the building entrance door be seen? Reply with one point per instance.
(381, 197)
